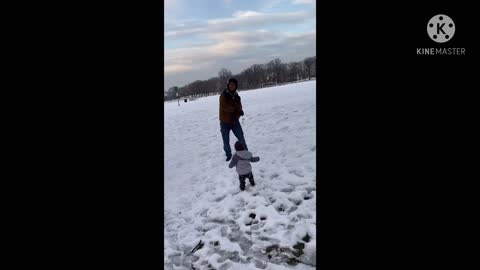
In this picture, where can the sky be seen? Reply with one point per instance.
(203, 36)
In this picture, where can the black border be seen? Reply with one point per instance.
(396, 141)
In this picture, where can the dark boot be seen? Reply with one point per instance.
(250, 179)
(228, 158)
(242, 182)
(242, 186)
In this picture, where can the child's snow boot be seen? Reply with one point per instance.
(242, 184)
(250, 179)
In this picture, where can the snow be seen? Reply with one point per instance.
(203, 201)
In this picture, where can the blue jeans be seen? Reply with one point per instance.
(237, 131)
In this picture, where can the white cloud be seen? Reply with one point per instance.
(253, 18)
(235, 43)
(235, 50)
(239, 20)
(175, 68)
(169, 4)
(247, 13)
(195, 58)
(297, 2)
(273, 3)
(256, 36)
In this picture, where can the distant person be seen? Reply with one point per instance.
(230, 112)
(241, 160)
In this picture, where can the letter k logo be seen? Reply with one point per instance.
(441, 28)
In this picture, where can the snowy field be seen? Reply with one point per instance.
(268, 226)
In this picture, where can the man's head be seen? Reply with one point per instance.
(232, 84)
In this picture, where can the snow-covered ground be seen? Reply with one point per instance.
(268, 226)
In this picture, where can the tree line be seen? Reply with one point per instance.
(256, 76)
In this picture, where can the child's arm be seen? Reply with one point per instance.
(254, 159)
(234, 161)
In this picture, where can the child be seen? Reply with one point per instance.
(242, 159)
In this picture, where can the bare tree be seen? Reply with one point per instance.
(274, 68)
(213, 85)
(282, 73)
(171, 93)
(314, 67)
(223, 76)
(259, 75)
(253, 77)
(294, 70)
(247, 78)
(308, 64)
(270, 77)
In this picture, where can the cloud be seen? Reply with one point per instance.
(235, 50)
(298, 2)
(256, 36)
(170, 4)
(175, 68)
(273, 3)
(239, 20)
(198, 57)
(253, 18)
(235, 43)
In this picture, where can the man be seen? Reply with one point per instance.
(230, 112)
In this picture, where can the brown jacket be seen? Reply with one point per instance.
(230, 106)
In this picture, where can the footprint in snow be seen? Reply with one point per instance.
(296, 172)
(287, 189)
(280, 208)
(308, 197)
(309, 169)
(273, 176)
(218, 199)
(292, 209)
(272, 199)
(295, 201)
(304, 216)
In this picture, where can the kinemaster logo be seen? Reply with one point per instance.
(441, 30)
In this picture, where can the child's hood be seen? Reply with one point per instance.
(244, 154)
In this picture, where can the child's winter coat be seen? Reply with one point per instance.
(242, 160)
